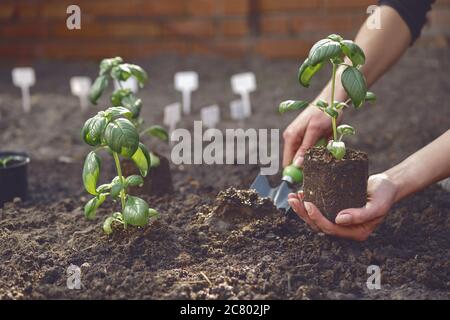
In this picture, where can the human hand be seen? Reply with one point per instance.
(355, 223)
(303, 133)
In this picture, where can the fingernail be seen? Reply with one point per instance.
(298, 161)
(343, 218)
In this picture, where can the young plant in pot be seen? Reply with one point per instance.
(13, 176)
(159, 179)
(334, 176)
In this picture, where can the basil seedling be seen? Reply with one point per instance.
(333, 50)
(116, 130)
(5, 160)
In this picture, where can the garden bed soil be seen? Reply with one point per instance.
(200, 248)
(334, 185)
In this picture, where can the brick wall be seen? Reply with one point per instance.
(138, 28)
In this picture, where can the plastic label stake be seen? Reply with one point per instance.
(242, 84)
(186, 82)
(80, 87)
(24, 78)
(237, 111)
(131, 83)
(172, 115)
(210, 116)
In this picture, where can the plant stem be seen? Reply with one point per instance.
(333, 85)
(119, 173)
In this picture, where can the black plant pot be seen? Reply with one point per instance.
(13, 176)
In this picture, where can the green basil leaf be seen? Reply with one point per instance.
(136, 211)
(331, 112)
(337, 149)
(355, 85)
(353, 52)
(107, 64)
(345, 129)
(118, 95)
(97, 88)
(154, 160)
(116, 187)
(324, 50)
(141, 159)
(107, 225)
(153, 214)
(93, 129)
(139, 73)
(114, 112)
(121, 136)
(307, 71)
(290, 105)
(91, 171)
(90, 209)
(158, 132)
(370, 97)
(335, 37)
(121, 72)
(103, 188)
(134, 181)
(321, 104)
(133, 104)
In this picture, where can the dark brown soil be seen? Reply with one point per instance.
(199, 249)
(333, 185)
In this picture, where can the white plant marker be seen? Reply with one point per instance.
(186, 82)
(210, 116)
(242, 84)
(172, 115)
(237, 111)
(80, 87)
(131, 83)
(24, 78)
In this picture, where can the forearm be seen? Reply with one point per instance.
(425, 167)
(382, 47)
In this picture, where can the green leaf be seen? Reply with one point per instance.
(291, 105)
(90, 209)
(370, 97)
(134, 181)
(93, 129)
(107, 64)
(114, 112)
(136, 211)
(139, 73)
(307, 71)
(133, 104)
(154, 160)
(116, 187)
(331, 112)
(353, 52)
(103, 188)
(355, 85)
(97, 88)
(121, 136)
(337, 149)
(121, 72)
(324, 50)
(345, 129)
(141, 159)
(158, 132)
(118, 95)
(107, 225)
(321, 104)
(335, 37)
(152, 213)
(91, 171)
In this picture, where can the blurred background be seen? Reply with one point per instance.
(36, 29)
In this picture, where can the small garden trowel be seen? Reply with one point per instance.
(279, 195)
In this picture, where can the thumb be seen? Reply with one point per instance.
(357, 215)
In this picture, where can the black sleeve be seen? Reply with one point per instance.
(413, 12)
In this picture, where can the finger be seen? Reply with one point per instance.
(297, 206)
(292, 196)
(354, 216)
(329, 228)
(292, 140)
(312, 135)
